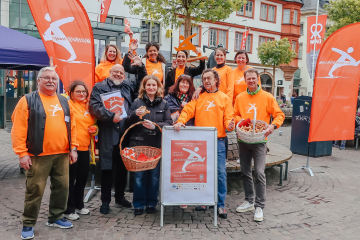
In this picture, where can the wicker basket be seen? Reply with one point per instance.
(137, 166)
(250, 137)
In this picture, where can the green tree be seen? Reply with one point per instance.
(275, 53)
(168, 11)
(342, 13)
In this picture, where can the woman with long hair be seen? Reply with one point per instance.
(146, 185)
(78, 171)
(225, 72)
(153, 61)
(241, 59)
(110, 57)
(181, 68)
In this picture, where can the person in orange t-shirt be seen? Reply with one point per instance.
(78, 172)
(212, 109)
(44, 137)
(225, 72)
(110, 57)
(265, 105)
(242, 59)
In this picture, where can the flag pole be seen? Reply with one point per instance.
(314, 52)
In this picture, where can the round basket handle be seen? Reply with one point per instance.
(122, 138)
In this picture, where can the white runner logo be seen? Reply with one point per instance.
(240, 80)
(56, 108)
(54, 33)
(341, 61)
(193, 157)
(86, 113)
(251, 108)
(155, 71)
(211, 104)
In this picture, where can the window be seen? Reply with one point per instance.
(301, 28)
(264, 40)
(300, 50)
(286, 16)
(153, 33)
(246, 10)
(19, 14)
(196, 29)
(238, 38)
(267, 12)
(295, 17)
(293, 46)
(217, 36)
(115, 21)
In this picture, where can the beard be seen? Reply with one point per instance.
(117, 82)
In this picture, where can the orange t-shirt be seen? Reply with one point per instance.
(102, 71)
(154, 69)
(83, 121)
(239, 82)
(209, 110)
(55, 133)
(178, 72)
(226, 80)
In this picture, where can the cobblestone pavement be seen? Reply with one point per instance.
(322, 207)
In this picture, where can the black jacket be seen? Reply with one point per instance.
(105, 117)
(174, 104)
(159, 113)
(191, 71)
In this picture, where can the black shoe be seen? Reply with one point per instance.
(139, 211)
(200, 208)
(222, 213)
(211, 207)
(104, 209)
(150, 210)
(122, 203)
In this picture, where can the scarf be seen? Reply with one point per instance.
(182, 97)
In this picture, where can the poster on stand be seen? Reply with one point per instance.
(189, 166)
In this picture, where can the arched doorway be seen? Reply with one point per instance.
(267, 82)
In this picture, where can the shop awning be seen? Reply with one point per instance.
(19, 51)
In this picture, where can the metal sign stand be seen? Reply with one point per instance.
(165, 158)
(307, 165)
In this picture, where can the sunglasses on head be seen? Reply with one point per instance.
(184, 76)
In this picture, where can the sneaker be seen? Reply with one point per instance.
(150, 210)
(183, 206)
(72, 216)
(342, 147)
(27, 233)
(104, 209)
(200, 208)
(222, 213)
(335, 145)
(246, 206)
(83, 211)
(138, 211)
(258, 215)
(61, 223)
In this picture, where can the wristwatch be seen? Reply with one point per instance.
(275, 127)
(74, 149)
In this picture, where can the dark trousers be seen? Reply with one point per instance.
(78, 173)
(120, 178)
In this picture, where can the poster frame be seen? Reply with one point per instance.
(215, 199)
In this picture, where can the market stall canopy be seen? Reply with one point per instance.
(19, 51)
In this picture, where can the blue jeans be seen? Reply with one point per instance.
(146, 188)
(222, 188)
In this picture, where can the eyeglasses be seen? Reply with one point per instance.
(81, 92)
(48, 79)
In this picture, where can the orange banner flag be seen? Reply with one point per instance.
(104, 9)
(67, 35)
(127, 26)
(336, 87)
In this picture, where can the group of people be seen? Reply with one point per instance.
(50, 131)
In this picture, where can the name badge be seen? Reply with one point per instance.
(67, 119)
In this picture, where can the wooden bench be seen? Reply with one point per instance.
(277, 156)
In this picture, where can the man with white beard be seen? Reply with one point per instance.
(111, 128)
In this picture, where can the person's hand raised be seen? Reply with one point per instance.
(136, 60)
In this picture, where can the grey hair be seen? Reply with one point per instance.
(46, 69)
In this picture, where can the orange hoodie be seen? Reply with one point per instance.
(226, 80)
(265, 105)
(55, 134)
(102, 71)
(239, 82)
(210, 110)
(83, 121)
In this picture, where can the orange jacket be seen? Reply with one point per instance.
(210, 110)
(55, 135)
(265, 105)
(226, 80)
(239, 82)
(83, 121)
(102, 71)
